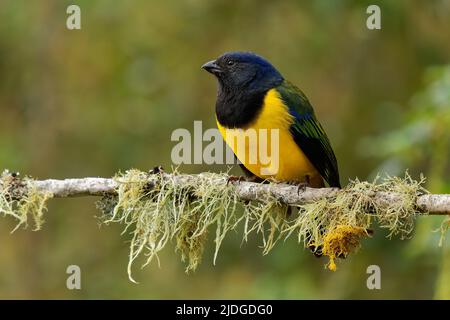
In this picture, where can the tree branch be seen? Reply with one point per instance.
(435, 204)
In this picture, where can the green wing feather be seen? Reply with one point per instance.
(309, 134)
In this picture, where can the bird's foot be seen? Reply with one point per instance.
(301, 186)
(232, 179)
(156, 170)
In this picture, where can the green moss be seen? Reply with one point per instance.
(20, 199)
(354, 206)
(190, 212)
(169, 211)
(158, 208)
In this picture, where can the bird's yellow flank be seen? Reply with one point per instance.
(287, 161)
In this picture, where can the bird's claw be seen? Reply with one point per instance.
(156, 170)
(233, 179)
(301, 187)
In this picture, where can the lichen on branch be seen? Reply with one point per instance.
(157, 208)
(21, 199)
(186, 210)
(165, 210)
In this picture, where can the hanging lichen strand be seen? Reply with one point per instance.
(20, 199)
(158, 208)
(187, 212)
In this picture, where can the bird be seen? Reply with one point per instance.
(253, 95)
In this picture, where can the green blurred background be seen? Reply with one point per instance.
(105, 98)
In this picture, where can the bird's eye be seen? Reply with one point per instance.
(230, 63)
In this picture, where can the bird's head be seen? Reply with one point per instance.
(237, 71)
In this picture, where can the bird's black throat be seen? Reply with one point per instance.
(237, 109)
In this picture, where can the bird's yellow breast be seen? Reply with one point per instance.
(266, 146)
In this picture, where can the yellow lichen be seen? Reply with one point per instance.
(354, 205)
(341, 241)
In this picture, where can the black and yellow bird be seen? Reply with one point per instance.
(252, 94)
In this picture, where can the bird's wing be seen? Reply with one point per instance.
(309, 134)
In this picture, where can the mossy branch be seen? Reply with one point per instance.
(157, 207)
(432, 204)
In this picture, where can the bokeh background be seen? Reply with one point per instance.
(105, 98)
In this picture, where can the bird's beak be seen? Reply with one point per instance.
(212, 67)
